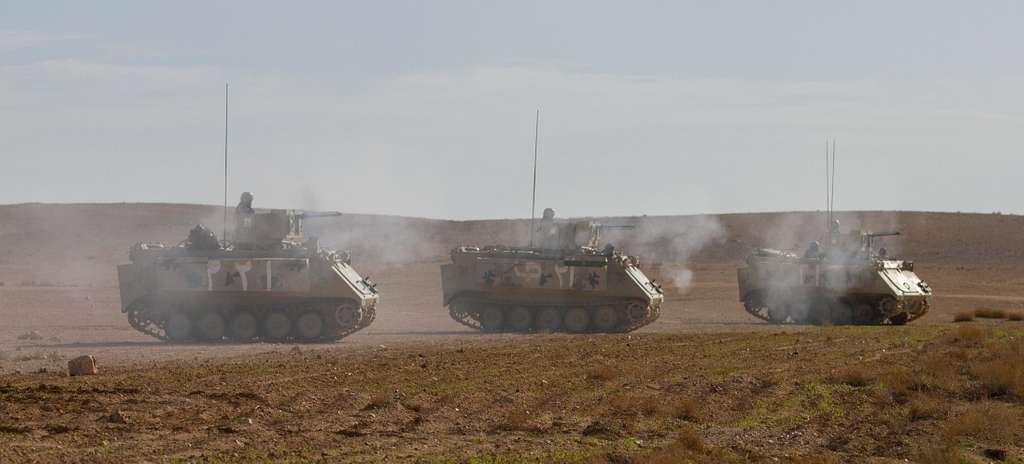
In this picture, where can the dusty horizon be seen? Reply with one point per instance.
(231, 206)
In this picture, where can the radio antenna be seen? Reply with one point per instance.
(828, 190)
(533, 202)
(224, 231)
(832, 197)
(830, 180)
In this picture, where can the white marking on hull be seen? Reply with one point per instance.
(243, 268)
(212, 267)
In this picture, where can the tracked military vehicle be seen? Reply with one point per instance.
(559, 287)
(845, 282)
(269, 284)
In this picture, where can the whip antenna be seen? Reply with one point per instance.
(533, 202)
(828, 191)
(224, 231)
(830, 180)
(832, 197)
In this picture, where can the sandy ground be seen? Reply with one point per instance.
(58, 281)
(86, 320)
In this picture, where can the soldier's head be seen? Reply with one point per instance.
(246, 198)
(548, 213)
(835, 225)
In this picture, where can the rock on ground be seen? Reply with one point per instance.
(82, 365)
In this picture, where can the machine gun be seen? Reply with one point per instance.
(295, 219)
(314, 215)
(595, 232)
(869, 237)
(268, 229)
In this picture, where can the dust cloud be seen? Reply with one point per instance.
(380, 240)
(670, 243)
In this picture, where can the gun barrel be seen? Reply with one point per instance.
(309, 215)
(616, 226)
(883, 234)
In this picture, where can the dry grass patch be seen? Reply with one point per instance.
(516, 421)
(625, 405)
(1000, 377)
(899, 382)
(939, 371)
(971, 335)
(964, 316)
(685, 409)
(378, 400)
(601, 373)
(940, 454)
(923, 408)
(1003, 375)
(988, 422)
(989, 313)
(689, 447)
(419, 405)
(605, 427)
(815, 459)
(650, 406)
(690, 439)
(853, 376)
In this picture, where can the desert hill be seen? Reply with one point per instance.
(38, 238)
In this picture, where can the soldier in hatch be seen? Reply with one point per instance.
(244, 214)
(548, 232)
(813, 251)
(833, 233)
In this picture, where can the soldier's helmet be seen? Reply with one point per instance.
(549, 213)
(246, 197)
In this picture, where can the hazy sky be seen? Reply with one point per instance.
(426, 108)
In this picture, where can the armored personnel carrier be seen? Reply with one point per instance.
(560, 287)
(270, 284)
(844, 282)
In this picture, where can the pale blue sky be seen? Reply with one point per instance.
(426, 108)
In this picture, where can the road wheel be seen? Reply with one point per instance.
(179, 327)
(491, 318)
(243, 327)
(605, 318)
(211, 327)
(840, 313)
(778, 315)
(347, 315)
(276, 326)
(576, 320)
(548, 320)
(819, 313)
(899, 319)
(520, 319)
(309, 326)
(636, 311)
(754, 304)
